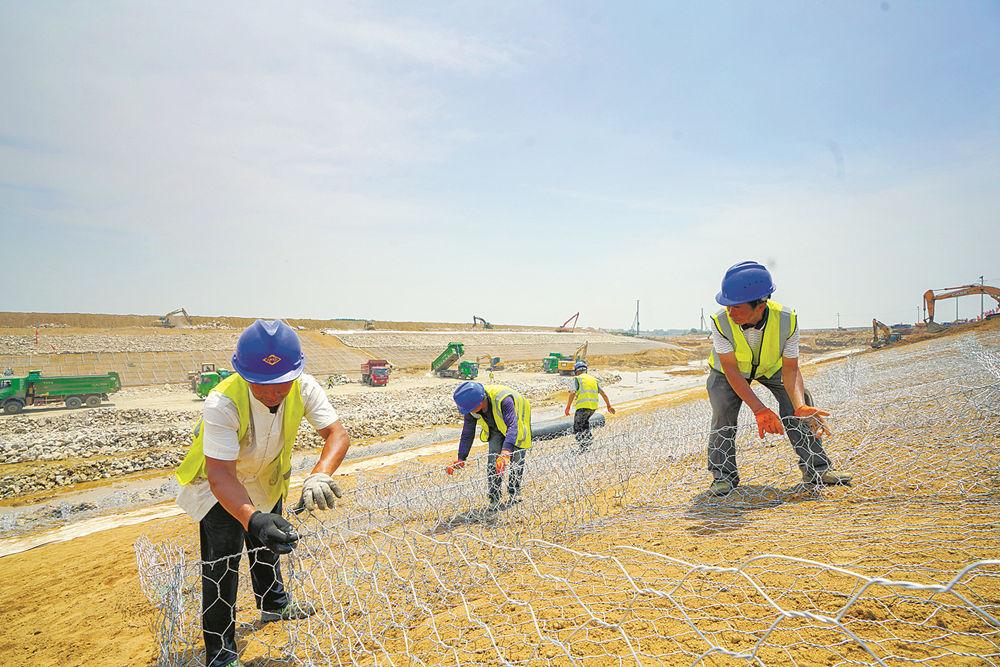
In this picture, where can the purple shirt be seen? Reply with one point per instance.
(469, 427)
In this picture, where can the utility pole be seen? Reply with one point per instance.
(637, 317)
(838, 321)
(701, 327)
(956, 309)
(982, 310)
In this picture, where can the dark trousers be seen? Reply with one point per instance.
(222, 542)
(494, 482)
(722, 440)
(581, 427)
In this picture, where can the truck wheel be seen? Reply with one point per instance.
(12, 407)
(73, 402)
(93, 401)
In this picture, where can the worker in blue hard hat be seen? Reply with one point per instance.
(504, 419)
(583, 393)
(757, 339)
(236, 475)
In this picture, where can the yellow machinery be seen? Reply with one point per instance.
(566, 365)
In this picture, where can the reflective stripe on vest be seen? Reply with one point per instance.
(586, 392)
(781, 323)
(522, 408)
(275, 475)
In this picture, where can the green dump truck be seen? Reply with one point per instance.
(207, 378)
(442, 365)
(72, 390)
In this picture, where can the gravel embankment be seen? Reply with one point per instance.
(72, 447)
(83, 343)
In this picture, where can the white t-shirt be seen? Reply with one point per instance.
(260, 446)
(754, 338)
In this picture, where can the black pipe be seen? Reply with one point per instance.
(555, 428)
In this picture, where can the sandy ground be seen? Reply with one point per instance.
(79, 602)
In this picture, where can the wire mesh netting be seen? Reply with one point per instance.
(617, 555)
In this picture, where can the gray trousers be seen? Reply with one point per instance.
(515, 471)
(722, 440)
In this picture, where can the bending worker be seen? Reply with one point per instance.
(754, 338)
(504, 420)
(236, 476)
(584, 394)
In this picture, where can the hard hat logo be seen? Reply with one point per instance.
(271, 359)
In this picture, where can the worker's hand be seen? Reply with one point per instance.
(611, 410)
(273, 531)
(502, 462)
(567, 412)
(457, 465)
(768, 422)
(813, 417)
(318, 492)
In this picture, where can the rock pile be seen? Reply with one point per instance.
(82, 343)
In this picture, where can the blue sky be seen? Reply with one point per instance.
(521, 161)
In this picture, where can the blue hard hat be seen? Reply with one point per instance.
(745, 282)
(469, 396)
(580, 365)
(269, 352)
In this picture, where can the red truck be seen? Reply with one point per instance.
(375, 372)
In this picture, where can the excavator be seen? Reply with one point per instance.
(565, 328)
(476, 320)
(168, 323)
(952, 293)
(882, 335)
(566, 365)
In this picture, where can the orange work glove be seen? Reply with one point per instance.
(813, 417)
(768, 422)
(502, 462)
(567, 412)
(457, 465)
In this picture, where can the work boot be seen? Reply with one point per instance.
(293, 611)
(721, 487)
(827, 478)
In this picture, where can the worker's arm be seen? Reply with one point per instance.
(739, 383)
(569, 401)
(468, 433)
(335, 447)
(606, 401)
(509, 413)
(228, 490)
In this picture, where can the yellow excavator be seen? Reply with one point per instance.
(566, 365)
(933, 295)
(882, 335)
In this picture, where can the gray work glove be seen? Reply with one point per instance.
(318, 492)
(273, 531)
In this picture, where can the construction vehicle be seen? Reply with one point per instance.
(492, 364)
(369, 325)
(476, 320)
(442, 365)
(168, 321)
(550, 364)
(882, 335)
(952, 293)
(73, 391)
(566, 364)
(205, 380)
(565, 328)
(375, 372)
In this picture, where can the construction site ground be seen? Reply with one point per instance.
(79, 601)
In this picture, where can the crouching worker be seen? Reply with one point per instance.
(236, 476)
(756, 339)
(583, 398)
(504, 420)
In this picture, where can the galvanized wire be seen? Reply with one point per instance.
(616, 555)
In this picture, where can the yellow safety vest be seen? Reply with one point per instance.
(498, 392)
(781, 323)
(586, 392)
(277, 473)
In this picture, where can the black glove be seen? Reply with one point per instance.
(273, 531)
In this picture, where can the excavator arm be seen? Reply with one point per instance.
(954, 292)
